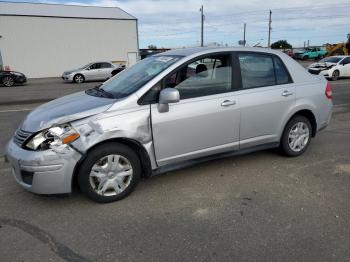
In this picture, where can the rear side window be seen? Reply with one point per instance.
(256, 70)
(106, 65)
(259, 70)
(282, 75)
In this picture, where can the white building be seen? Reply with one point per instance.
(43, 40)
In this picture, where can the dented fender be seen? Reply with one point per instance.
(133, 124)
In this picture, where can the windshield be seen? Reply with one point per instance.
(333, 59)
(133, 78)
(85, 66)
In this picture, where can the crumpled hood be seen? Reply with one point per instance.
(322, 65)
(65, 109)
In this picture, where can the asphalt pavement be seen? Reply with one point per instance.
(257, 207)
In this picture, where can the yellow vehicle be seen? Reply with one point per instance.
(339, 49)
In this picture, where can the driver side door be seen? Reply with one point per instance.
(92, 73)
(206, 119)
(345, 68)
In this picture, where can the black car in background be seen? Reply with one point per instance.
(10, 78)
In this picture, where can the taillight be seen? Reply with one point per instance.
(328, 91)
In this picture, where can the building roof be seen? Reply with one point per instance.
(67, 11)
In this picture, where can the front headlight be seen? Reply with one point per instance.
(53, 137)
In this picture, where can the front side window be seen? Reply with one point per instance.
(95, 66)
(133, 78)
(346, 61)
(206, 76)
(256, 70)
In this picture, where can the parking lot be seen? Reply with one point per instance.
(256, 207)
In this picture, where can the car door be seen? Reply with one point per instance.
(266, 97)
(91, 73)
(106, 70)
(345, 67)
(206, 120)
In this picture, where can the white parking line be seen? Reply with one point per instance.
(16, 110)
(346, 104)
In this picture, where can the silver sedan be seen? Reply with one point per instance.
(92, 71)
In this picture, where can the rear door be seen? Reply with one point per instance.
(106, 70)
(266, 97)
(206, 120)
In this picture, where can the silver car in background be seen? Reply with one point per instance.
(97, 71)
(168, 111)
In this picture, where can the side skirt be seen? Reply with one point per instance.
(189, 163)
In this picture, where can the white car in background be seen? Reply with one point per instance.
(92, 71)
(332, 67)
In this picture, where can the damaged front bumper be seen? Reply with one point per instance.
(43, 172)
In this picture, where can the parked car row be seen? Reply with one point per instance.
(97, 71)
(332, 67)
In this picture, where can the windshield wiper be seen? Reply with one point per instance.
(100, 92)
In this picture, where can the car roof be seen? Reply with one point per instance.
(204, 50)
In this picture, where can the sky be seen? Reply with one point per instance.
(176, 23)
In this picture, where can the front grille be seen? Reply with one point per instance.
(314, 72)
(21, 136)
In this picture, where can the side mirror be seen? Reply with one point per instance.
(167, 96)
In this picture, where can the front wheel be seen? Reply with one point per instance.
(78, 78)
(296, 136)
(335, 75)
(8, 81)
(109, 173)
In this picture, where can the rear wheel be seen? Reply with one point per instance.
(109, 173)
(8, 81)
(335, 75)
(79, 78)
(296, 136)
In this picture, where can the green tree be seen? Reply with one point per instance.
(281, 44)
(152, 47)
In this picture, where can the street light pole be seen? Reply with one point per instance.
(269, 39)
(245, 25)
(202, 26)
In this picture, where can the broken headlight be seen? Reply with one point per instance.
(52, 137)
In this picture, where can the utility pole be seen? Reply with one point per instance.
(202, 26)
(245, 25)
(269, 39)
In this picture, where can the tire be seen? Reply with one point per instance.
(100, 182)
(306, 57)
(78, 78)
(8, 81)
(335, 75)
(294, 132)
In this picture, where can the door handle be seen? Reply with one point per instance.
(287, 93)
(228, 103)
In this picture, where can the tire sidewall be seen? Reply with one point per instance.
(284, 141)
(98, 153)
(334, 78)
(76, 76)
(3, 81)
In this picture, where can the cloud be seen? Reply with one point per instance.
(177, 22)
